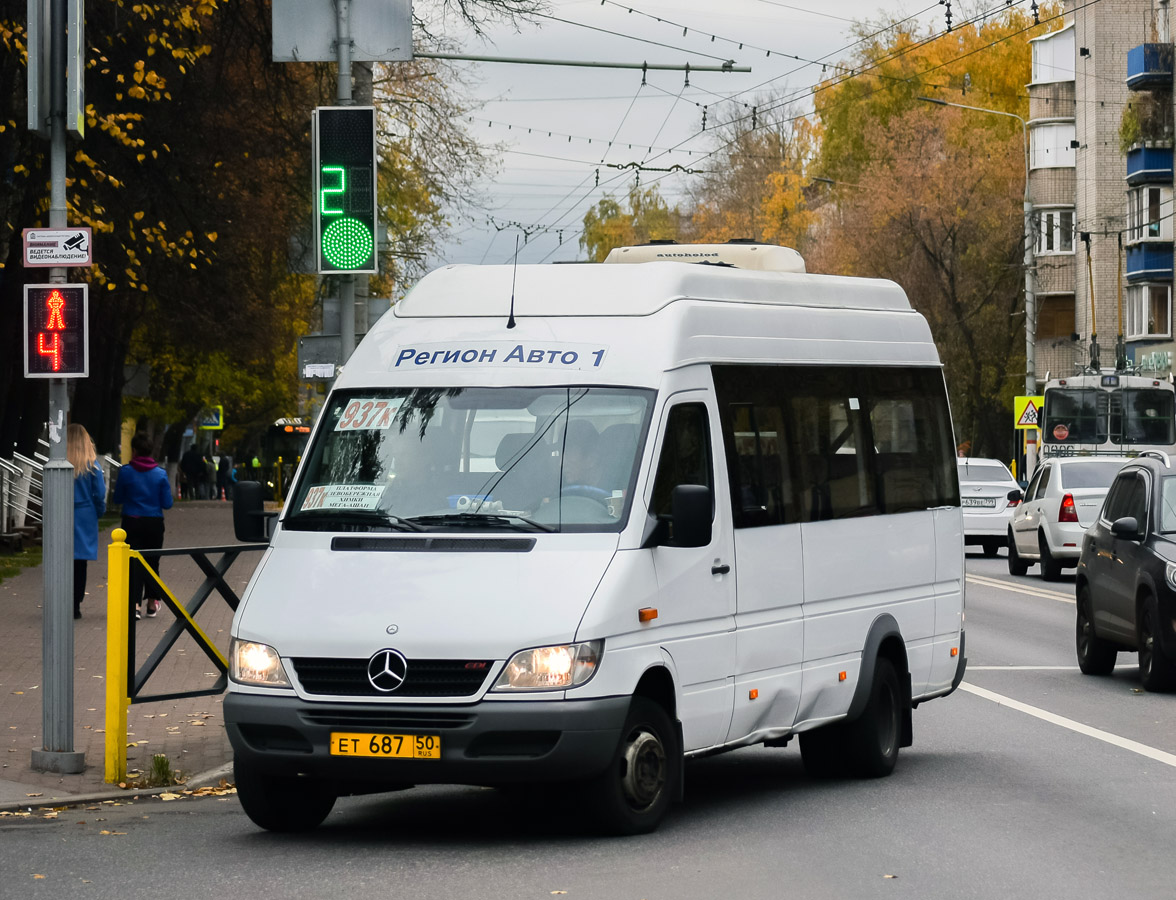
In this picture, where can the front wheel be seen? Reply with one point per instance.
(278, 803)
(1096, 656)
(1017, 566)
(634, 793)
(1156, 669)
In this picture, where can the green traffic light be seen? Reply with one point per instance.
(347, 244)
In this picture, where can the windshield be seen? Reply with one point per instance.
(1092, 474)
(1075, 416)
(1168, 504)
(1147, 417)
(984, 472)
(549, 459)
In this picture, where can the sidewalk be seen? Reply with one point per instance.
(190, 732)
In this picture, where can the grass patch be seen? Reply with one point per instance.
(14, 563)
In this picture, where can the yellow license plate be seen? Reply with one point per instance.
(390, 746)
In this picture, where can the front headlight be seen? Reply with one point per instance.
(253, 663)
(1170, 575)
(551, 668)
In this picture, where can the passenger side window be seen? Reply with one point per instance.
(1115, 503)
(685, 455)
(830, 435)
(1043, 482)
(1135, 502)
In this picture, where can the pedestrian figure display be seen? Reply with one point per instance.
(144, 492)
(89, 505)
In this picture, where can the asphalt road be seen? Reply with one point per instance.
(1031, 781)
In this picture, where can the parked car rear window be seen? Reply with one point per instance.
(1093, 474)
(984, 472)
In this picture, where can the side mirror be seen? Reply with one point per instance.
(691, 510)
(1126, 527)
(1015, 495)
(249, 515)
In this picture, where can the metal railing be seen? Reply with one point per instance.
(20, 492)
(124, 684)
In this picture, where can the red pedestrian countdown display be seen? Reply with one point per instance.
(56, 337)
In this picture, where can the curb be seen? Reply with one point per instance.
(204, 779)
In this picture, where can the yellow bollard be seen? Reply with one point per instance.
(118, 605)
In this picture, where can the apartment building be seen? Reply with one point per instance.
(1101, 178)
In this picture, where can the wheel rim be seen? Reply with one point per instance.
(1147, 640)
(644, 770)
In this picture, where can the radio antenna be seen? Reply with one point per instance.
(510, 322)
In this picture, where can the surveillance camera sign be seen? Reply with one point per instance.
(57, 247)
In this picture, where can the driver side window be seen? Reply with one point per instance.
(685, 455)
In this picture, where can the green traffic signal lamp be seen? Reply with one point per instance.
(345, 189)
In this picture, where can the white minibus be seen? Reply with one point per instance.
(577, 524)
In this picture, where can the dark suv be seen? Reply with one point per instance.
(1126, 586)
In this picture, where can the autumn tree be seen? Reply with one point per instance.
(641, 217)
(755, 184)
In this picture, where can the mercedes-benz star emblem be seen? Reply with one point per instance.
(386, 670)
(392, 629)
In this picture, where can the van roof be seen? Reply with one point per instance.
(739, 254)
(630, 290)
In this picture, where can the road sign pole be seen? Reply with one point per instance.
(343, 97)
(57, 638)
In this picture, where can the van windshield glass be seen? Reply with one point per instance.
(440, 459)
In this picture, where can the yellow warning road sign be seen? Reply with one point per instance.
(1027, 411)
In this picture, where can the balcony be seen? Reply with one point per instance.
(1149, 66)
(1150, 261)
(1150, 164)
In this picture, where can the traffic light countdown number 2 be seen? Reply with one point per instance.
(345, 150)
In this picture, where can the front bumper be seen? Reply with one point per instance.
(485, 743)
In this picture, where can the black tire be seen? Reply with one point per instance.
(1157, 671)
(1017, 566)
(278, 803)
(1051, 569)
(823, 751)
(990, 547)
(1096, 656)
(634, 793)
(873, 738)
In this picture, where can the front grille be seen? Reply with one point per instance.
(385, 720)
(424, 678)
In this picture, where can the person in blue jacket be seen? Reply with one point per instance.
(144, 491)
(89, 505)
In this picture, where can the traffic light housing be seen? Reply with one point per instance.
(57, 340)
(345, 189)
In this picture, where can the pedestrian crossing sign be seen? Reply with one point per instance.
(1027, 412)
(212, 418)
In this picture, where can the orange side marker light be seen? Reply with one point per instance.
(841, 676)
(753, 694)
(648, 614)
(955, 651)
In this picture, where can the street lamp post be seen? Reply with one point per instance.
(1030, 270)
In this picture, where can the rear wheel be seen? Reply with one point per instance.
(1017, 566)
(990, 546)
(279, 803)
(1096, 656)
(1051, 569)
(634, 793)
(867, 747)
(1156, 668)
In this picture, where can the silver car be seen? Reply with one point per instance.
(985, 485)
(1062, 500)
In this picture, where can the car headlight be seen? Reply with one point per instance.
(254, 663)
(1170, 575)
(551, 668)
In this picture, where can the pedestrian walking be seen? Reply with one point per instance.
(144, 492)
(89, 505)
(192, 465)
(224, 479)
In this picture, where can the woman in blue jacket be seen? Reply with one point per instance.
(144, 491)
(89, 505)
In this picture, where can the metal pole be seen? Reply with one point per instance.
(57, 637)
(343, 98)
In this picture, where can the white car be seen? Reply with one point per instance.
(985, 485)
(1062, 500)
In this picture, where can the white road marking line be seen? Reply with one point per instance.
(1168, 759)
(1017, 589)
(972, 668)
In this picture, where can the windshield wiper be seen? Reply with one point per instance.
(493, 520)
(355, 517)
